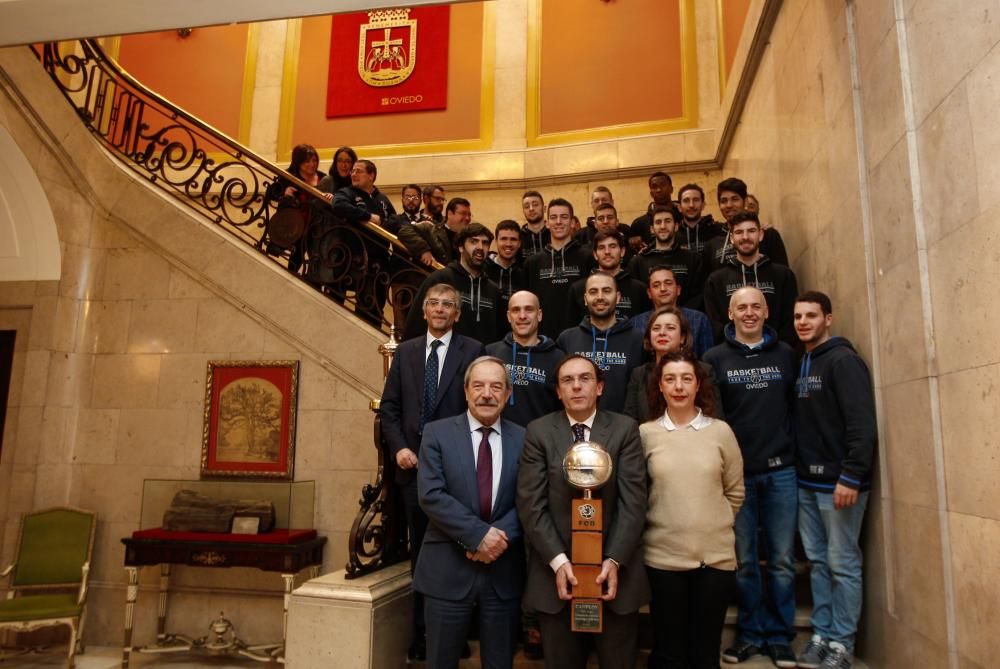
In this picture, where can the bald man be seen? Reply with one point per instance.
(756, 373)
(531, 359)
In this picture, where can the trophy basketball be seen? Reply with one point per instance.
(587, 466)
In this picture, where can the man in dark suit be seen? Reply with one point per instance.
(473, 552)
(424, 384)
(543, 503)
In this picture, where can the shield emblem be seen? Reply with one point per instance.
(387, 47)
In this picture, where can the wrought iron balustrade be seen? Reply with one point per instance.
(361, 266)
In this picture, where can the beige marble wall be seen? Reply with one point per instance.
(110, 362)
(929, 191)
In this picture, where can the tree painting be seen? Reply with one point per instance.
(249, 422)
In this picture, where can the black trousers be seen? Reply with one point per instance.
(617, 646)
(416, 522)
(688, 610)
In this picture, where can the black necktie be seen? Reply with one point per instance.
(430, 383)
(579, 432)
(484, 475)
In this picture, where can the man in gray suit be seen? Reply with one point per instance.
(543, 503)
(473, 552)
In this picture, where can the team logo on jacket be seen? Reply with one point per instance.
(387, 47)
(522, 375)
(766, 287)
(754, 378)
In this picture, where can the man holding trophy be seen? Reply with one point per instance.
(581, 493)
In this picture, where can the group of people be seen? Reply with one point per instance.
(679, 343)
(733, 417)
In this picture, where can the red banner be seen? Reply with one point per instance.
(389, 60)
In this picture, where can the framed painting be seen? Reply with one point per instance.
(250, 409)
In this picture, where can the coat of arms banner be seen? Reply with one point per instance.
(390, 60)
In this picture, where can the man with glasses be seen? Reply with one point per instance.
(424, 384)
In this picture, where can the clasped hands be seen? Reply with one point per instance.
(565, 580)
(491, 547)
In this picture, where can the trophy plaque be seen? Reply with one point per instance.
(587, 466)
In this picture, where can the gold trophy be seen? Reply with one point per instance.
(587, 466)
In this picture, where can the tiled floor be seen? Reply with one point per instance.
(110, 658)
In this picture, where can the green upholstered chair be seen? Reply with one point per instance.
(53, 555)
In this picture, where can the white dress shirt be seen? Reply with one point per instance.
(442, 351)
(496, 450)
(700, 421)
(561, 559)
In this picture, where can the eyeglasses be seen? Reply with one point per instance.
(433, 303)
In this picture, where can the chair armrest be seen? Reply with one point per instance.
(82, 597)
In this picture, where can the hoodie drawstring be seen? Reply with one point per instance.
(804, 369)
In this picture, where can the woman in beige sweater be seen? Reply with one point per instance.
(696, 488)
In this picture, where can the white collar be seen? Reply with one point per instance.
(589, 422)
(444, 339)
(700, 421)
(475, 425)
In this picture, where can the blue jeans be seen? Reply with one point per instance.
(770, 505)
(830, 537)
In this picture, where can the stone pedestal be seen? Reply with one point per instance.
(364, 623)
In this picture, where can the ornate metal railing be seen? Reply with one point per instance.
(361, 266)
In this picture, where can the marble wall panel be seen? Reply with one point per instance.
(908, 444)
(947, 166)
(975, 542)
(983, 89)
(963, 271)
(882, 98)
(901, 324)
(892, 208)
(919, 574)
(970, 424)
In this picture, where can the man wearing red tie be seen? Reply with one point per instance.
(473, 552)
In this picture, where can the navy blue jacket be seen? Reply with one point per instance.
(403, 396)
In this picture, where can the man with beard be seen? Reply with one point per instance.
(613, 345)
(504, 267)
(609, 252)
(550, 274)
(750, 267)
(480, 297)
(412, 213)
(431, 242)
(531, 359)
(434, 200)
(661, 190)
(732, 195)
(605, 219)
(666, 251)
(696, 227)
(535, 235)
(424, 385)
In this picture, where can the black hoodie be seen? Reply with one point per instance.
(777, 282)
(694, 238)
(549, 275)
(719, 250)
(834, 418)
(632, 298)
(756, 385)
(685, 264)
(642, 226)
(483, 317)
(533, 242)
(509, 279)
(532, 372)
(617, 351)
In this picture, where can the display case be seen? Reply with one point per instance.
(294, 501)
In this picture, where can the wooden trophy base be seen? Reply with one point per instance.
(587, 610)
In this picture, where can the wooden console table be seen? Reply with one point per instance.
(284, 551)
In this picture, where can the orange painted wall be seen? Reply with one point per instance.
(459, 121)
(734, 18)
(605, 64)
(202, 73)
